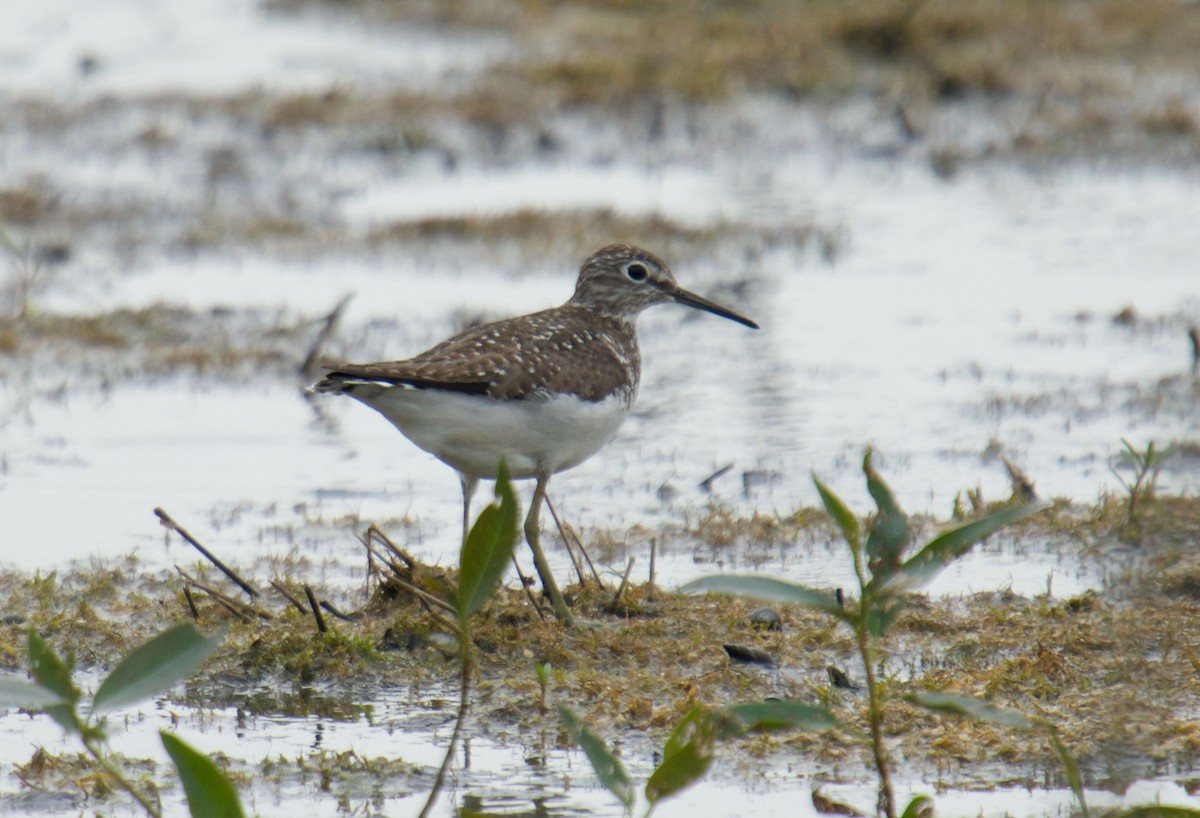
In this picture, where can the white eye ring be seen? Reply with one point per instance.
(637, 272)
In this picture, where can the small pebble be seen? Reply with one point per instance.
(765, 619)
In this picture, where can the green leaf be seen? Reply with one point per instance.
(158, 665)
(488, 550)
(890, 531)
(687, 755)
(52, 673)
(1070, 770)
(18, 693)
(918, 806)
(773, 714)
(841, 515)
(607, 766)
(209, 792)
(971, 707)
(769, 589)
(939, 552)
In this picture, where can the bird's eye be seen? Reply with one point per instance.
(636, 272)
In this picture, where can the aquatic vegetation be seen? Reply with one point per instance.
(148, 670)
(486, 555)
(1146, 467)
(620, 668)
(689, 751)
(887, 574)
(172, 656)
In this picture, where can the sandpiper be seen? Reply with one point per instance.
(545, 391)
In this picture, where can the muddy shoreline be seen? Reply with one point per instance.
(644, 662)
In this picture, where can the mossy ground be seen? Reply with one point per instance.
(647, 658)
(1073, 59)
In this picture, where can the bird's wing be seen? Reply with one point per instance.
(518, 358)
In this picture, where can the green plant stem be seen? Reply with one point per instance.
(464, 702)
(114, 772)
(887, 798)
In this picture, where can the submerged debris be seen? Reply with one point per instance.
(749, 655)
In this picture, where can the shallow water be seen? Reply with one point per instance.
(930, 341)
(137, 47)
(940, 318)
(503, 770)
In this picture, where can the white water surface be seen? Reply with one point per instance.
(143, 47)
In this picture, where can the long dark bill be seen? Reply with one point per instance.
(682, 296)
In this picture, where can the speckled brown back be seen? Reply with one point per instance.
(569, 349)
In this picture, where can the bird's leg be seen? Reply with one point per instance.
(533, 537)
(468, 491)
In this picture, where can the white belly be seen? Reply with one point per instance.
(472, 432)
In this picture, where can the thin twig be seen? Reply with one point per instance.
(374, 572)
(653, 563)
(345, 617)
(373, 531)
(395, 568)
(397, 576)
(316, 609)
(312, 362)
(233, 609)
(580, 546)
(624, 581)
(525, 585)
(566, 541)
(234, 605)
(187, 594)
(434, 601)
(587, 557)
(299, 606)
(225, 569)
(448, 624)
(706, 484)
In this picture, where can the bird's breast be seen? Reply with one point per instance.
(541, 433)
